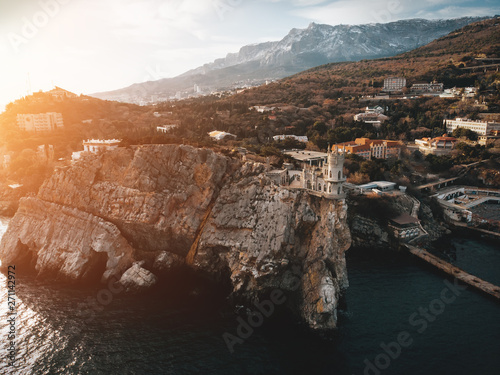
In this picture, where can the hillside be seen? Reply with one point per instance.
(301, 49)
(442, 60)
(84, 118)
(319, 103)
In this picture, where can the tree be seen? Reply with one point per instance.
(417, 155)
(358, 178)
(466, 133)
(439, 163)
(320, 127)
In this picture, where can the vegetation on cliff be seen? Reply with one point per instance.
(319, 103)
(133, 211)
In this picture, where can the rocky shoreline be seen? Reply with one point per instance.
(144, 211)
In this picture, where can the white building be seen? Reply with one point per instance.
(333, 173)
(394, 84)
(405, 227)
(219, 135)
(306, 157)
(464, 92)
(6, 161)
(374, 118)
(436, 146)
(325, 178)
(41, 122)
(329, 183)
(381, 186)
(165, 128)
(480, 127)
(375, 109)
(45, 153)
(427, 87)
(60, 94)
(96, 146)
(262, 108)
(300, 138)
(76, 155)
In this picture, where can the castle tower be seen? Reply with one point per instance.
(334, 176)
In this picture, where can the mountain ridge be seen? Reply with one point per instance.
(299, 50)
(444, 60)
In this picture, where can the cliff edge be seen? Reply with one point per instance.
(135, 212)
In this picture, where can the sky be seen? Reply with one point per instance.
(88, 46)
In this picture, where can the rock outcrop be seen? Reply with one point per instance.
(64, 241)
(134, 212)
(263, 236)
(9, 199)
(137, 278)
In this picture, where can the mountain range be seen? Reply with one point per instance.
(300, 50)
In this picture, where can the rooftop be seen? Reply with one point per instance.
(303, 155)
(378, 184)
(102, 141)
(405, 219)
(219, 135)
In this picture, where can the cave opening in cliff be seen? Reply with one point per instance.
(26, 256)
(95, 266)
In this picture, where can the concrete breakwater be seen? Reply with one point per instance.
(456, 272)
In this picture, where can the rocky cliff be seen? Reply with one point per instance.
(369, 228)
(137, 212)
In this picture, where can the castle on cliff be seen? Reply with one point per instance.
(325, 180)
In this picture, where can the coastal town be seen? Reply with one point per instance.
(307, 167)
(323, 202)
(336, 174)
(292, 161)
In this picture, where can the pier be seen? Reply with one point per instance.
(456, 272)
(437, 184)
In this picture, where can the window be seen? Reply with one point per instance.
(340, 175)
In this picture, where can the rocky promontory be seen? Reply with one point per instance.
(135, 213)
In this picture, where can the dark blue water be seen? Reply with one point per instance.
(480, 258)
(157, 334)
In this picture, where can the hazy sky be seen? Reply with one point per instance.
(87, 46)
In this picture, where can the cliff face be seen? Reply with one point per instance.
(155, 195)
(367, 232)
(370, 229)
(63, 240)
(9, 199)
(142, 210)
(267, 238)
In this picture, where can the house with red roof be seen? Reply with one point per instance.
(371, 148)
(436, 146)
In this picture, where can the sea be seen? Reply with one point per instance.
(399, 316)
